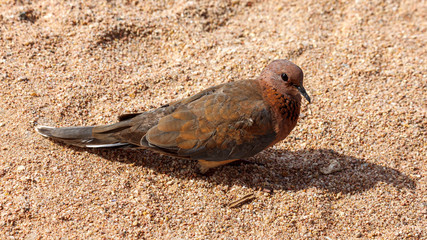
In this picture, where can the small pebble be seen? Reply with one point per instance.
(20, 168)
(334, 166)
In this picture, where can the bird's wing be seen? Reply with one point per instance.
(232, 122)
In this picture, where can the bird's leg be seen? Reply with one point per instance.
(204, 165)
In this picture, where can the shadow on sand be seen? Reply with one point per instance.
(278, 170)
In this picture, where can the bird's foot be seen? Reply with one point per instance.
(204, 165)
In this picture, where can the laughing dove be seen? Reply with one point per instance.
(217, 126)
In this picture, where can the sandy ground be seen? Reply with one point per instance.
(65, 63)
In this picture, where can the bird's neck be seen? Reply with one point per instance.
(285, 105)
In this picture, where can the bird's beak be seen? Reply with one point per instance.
(301, 89)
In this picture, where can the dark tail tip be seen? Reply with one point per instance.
(45, 131)
(65, 132)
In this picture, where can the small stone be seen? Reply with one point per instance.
(334, 166)
(21, 168)
(23, 79)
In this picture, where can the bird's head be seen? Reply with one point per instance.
(286, 77)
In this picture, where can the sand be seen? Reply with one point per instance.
(354, 167)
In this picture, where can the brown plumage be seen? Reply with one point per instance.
(217, 126)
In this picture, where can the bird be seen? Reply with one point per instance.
(217, 126)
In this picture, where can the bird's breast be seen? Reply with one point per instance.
(286, 110)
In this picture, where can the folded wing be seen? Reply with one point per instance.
(230, 123)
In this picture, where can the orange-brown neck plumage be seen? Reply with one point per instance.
(286, 108)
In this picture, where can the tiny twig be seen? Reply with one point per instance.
(242, 200)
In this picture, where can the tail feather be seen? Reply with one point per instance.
(65, 132)
(81, 136)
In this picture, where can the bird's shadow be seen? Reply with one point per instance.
(278, 170)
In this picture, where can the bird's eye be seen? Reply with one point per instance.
(284, 77)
